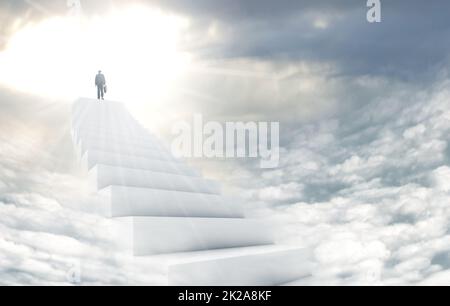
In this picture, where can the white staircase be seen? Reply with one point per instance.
(162, 206)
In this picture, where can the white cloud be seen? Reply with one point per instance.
(367, 191)
(280, 193)
(374, 206)
(441, 178)
(46, 227)
(41, 240)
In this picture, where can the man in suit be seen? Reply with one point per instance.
(100, 82)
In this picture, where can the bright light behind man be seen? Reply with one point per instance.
(136, 49)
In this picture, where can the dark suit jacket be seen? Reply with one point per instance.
(100, 80)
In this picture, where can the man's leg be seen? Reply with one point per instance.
(102, 90)
(98, 93)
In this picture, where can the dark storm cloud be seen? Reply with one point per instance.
(237, 9)
(410, 42)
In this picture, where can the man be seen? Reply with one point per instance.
(100, 82)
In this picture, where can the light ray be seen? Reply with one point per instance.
(137, 49)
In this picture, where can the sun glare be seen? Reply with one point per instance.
(136, 49)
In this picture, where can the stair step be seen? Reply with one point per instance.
(250, 266)
(80, 136)
(93, 157)
(106, 120)
(116, 128)
(85, 107)
(102, 176)
(112, 125)
(91, 141)
(105, 132)
(86, 135)
(138, 153)
(146, 236)
(154, 152)
(130, 201)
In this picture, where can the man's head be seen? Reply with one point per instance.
(99, 72)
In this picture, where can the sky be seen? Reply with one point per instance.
(363, 108)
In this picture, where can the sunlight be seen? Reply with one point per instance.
(59, 57)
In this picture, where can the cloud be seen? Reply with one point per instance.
(441, 178)
(365, 188)
(47, 227)
(318, 31)
(326, 31)
(365, 120)
(370, 199)
(42, 241)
